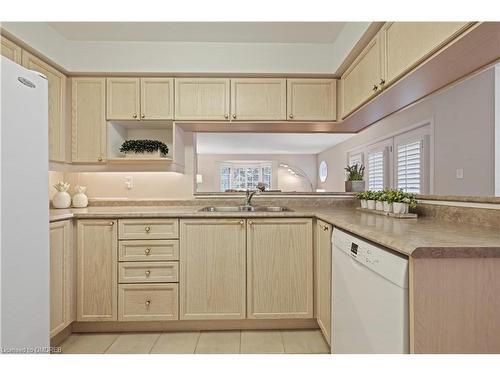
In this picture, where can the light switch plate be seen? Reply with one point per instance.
(129, 183)
(460, 173)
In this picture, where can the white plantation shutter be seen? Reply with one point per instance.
(409, 167)
(376, 169)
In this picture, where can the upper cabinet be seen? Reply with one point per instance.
(258, 99)
(88, 119)
(202, 98)
(363, 79)
(407, 43)
(312, 99)
(10, 50)
(140, 98)
(57, 99)
(157, 98)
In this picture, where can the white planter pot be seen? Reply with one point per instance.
(61, 200)
(364, 203)
(370, 204)
(387, 207)
(379, 205)
(143, 155)
(400, 208)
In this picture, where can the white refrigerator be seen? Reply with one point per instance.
(24, 220)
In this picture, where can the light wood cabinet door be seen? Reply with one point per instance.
(10, 50)
(57, 97)
(157, 98)
(323, 277)
(362, 79)
(202, 99)
(258, 99)
(212, 269)
(311, 99)
(61, 276)
(279, 268)
(406, 44)
(88, 120)
(97, 270)
(123, 98)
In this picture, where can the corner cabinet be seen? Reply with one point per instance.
(88, 119)
(279, 268)
(61, 277)
(311, 99)
(258, 99)
(323, 277)
(57, 99)
(202, 99)
(212, 269)
(97, 265)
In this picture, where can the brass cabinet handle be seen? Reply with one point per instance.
(147, 251)
(234, 115)
(135, 115)
(147, 229)
(375, 88)
(143, 115)
(382, 82)
(325, 228)
(290, 115)
(148, 272)
(250, 222)
(147, 303)
(111, 223)
(226, 116)
(99, 158)
(242, 222)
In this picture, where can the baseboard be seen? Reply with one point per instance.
(59, 338)
(195, 325)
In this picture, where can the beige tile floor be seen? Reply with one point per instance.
(213, 342)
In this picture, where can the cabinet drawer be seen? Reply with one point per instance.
(153, 229)
(148, 302)
(148, 272)
(144, 250)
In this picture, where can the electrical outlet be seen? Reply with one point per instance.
(129, 183)
(460, 173)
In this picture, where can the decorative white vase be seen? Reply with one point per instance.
(80, 200)
(364, 203)
(379, 205)
(370, 204)
(387, 207)
(61, 199)
(400, 208)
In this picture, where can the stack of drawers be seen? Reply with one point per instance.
(148, 269)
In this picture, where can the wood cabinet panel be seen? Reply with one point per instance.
(361, 80)
(156, 229)
(212, 269)
(97, 270)
(10, 50)
(312, 99)
(148, 302)
(148, 250)
(157, 98)
(258, 99)
(279, 268)
(202, 98)
(88, 119)
(123, 98)
(323, 277)
(61, 276)
(57, 99)
(406, 44)
(148, 272)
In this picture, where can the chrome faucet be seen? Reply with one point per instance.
(250, 193)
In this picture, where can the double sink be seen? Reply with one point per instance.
(245, 209)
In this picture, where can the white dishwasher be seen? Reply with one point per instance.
(369, 297)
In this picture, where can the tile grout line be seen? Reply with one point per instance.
(158, 338)
(109, 346)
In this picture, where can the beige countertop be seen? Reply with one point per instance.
(422, 237)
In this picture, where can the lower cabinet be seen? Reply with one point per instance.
(212, 269)
(323, 277)
(279, 268)
(148, 302)
(97, 285)
(61, 276)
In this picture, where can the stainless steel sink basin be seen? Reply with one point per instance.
(245, 209)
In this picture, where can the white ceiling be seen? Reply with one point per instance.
(221, 32)
(266, 143)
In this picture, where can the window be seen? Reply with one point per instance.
(242, 176)
(376, 170)
(355, 159)
(409, 167)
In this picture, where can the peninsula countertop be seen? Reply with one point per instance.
(422, 237)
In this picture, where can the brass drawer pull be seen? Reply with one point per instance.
(147, 229)
(147, 303)
(148, 272)
(147, 251)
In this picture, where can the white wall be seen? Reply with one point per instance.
(464, 123)
(208, 167)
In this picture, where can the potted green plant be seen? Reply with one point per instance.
(144, 148)
(379, 200)
(389, 200)
(354, 178)
(370, 199)
(363, 198)
(403, 202)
